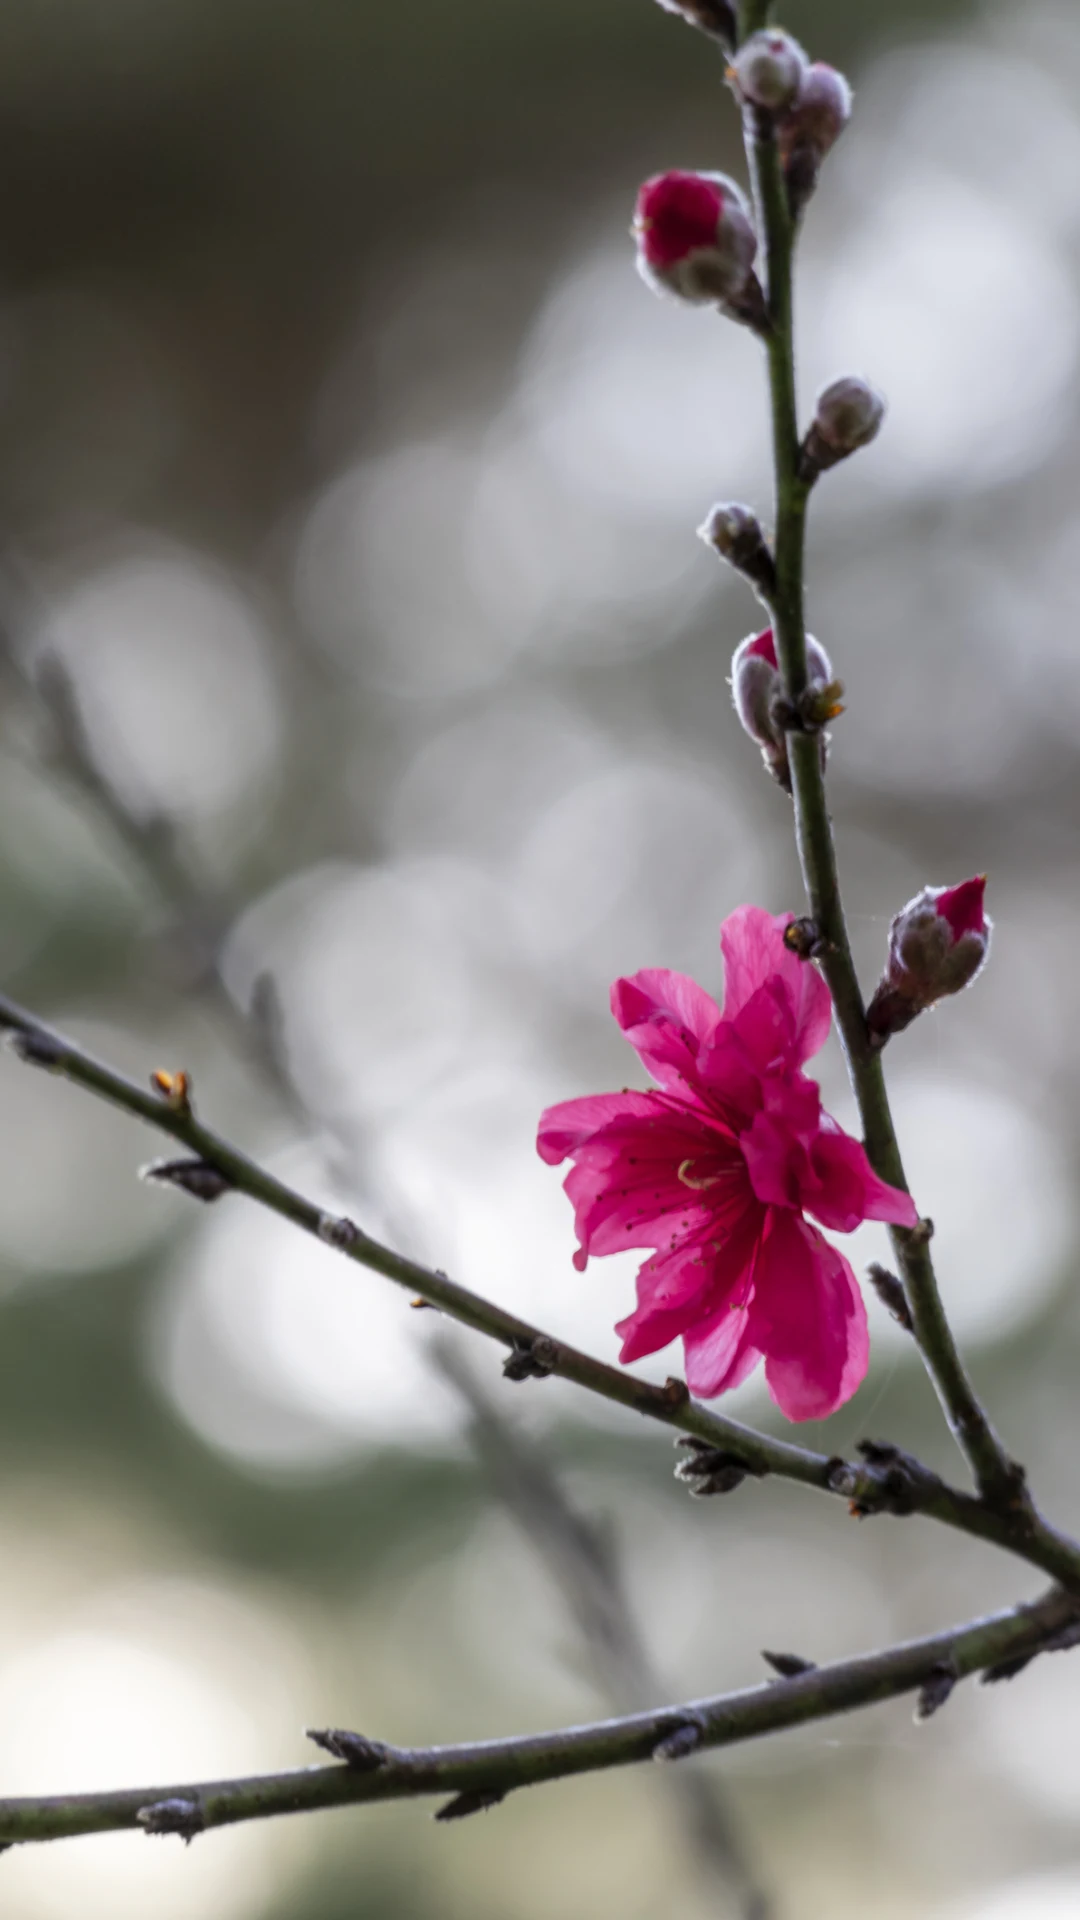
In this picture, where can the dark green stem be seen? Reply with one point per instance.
(870, 1488)
(999, 1481)
(492, 1768)
(753, 15)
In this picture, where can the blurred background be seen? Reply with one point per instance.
(363, 715)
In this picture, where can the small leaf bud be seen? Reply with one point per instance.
(736, 534)
(847, 416)
(695, 239)
(938, 943)
(812, 125)
(768, 71)
(757, 691)
(716, 17)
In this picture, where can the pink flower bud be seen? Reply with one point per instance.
(736, 534)
(812, 125)
(847, 416)
(757, 691)
(937, 944)
(768, 71)
(712, 16)
(819, 113)
(694, 237)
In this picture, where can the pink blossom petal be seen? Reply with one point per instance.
(755, 956)
(565, 1127)
(667, 1018)
(848, 1189)
(637, 1184)
(650, 1329)
(728, 1080)
(720, 1352)
(808, 1318)
(698, 1278)
(777, 1162)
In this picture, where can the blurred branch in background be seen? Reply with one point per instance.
(583, 1563)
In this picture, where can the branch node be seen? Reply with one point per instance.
(710, 1469)
(888, 1483)
(532, 1358)
(357, 1751)
(184, 1817)
(788, 1665)
(474, 1800)
(935, 1690)
(35, 1048)
(804, 937)
(175, 1089)
(682, 1741)
(336, 1230)
(196, 1177)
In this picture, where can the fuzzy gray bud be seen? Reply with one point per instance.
(847, 416)
(810, 128)
(734, 531)
(757, 691)
(768, 71)
(938, 942)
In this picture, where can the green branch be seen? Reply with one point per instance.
(999, 1480)
(897, 1485)
(483, 1773)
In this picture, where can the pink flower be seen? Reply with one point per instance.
(714, 1169)
(695, 237)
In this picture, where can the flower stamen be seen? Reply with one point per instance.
(688, 1180)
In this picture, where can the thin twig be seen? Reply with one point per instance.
(583, 1564)
(870, 1488)
(999, 1480)
(488, 1770)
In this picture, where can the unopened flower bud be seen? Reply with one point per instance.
(937, 944)
(847, 417)
(712, 16)
(812, 125)
(768, 71)
(695, 239)
(736, 534)
(757, 691)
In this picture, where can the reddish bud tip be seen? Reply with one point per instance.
(938, 943)
(694, 236)
(962, 906)
(768, 71)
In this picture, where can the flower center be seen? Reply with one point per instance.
(697, 1182)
